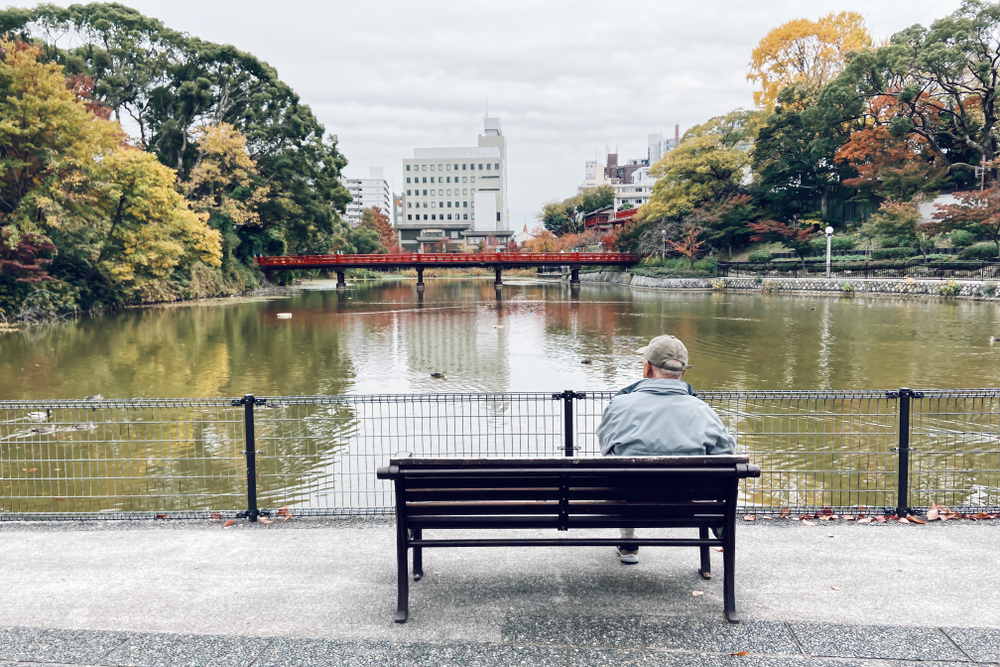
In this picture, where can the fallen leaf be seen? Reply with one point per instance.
(784, 513)
(264, 519)
(32, 469)
(807, 522)
(867, 519)
(917, 521)
(216, 515)
(160, 516)
(903, 519)
(827, 511)
(932, 513)
(829, 535)
(741, 653)
(749, 517)
(834, 588)
(228, 523)
(719, 549)
(287, 518)
(880, 519)
(849, 518)
(57, 499)
(284, 511)
(984, 515)
(697, 594)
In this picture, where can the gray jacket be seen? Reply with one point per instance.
(657, 417)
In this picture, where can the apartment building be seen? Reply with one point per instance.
(637, 191)
(457, 195)
(365, 193)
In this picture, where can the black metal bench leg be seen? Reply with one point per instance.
(706, 562)
(418, 556)
(729, 575)
(402, 580)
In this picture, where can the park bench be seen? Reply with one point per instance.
(562, 494)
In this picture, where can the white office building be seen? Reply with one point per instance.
(593, 176)
(658, 146)
(365, 193)
(457, 194)
(637, 192)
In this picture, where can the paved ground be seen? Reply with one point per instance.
(312, 592)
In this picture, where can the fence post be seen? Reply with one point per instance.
(567, 397)
(250, 440)
(905, 395)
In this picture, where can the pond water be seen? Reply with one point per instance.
(380, 337)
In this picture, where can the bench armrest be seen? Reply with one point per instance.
(745, 470)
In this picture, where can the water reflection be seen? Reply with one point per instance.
(380, 337)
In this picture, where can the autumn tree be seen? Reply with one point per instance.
(689, 245)
(796, 237)
(888, 166)
(976, 210)
(810, 53)
(225, 181)
(373, 218)
(943, 80)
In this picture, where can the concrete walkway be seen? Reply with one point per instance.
(322, 592)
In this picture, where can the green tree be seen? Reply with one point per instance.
(900, 220)
(710, 165)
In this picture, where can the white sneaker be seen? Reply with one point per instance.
(627, 556)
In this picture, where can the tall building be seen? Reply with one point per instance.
(658, 146)
(593, 175)
(365, 193)
(456, 196)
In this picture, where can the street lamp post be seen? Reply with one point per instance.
(829, 238)
(663, 246)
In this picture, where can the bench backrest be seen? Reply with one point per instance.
(564, 493)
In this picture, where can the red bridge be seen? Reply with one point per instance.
(419, 261)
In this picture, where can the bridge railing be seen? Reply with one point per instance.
(453, 258)
(844, 452)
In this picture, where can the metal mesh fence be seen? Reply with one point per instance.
(818, 450)
(121, 458)
(955, 449)
(320, 453)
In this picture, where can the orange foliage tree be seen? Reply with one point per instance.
(380, 222)
(797, 238)
(689, 245)
(977, 208)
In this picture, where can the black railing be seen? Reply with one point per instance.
(886, 452)
(950, 270)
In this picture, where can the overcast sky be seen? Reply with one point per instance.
(569, 79)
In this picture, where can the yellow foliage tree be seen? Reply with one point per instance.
(224, 178)
(147, 229)
(803, 51)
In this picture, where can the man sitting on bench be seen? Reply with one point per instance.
(661, 415)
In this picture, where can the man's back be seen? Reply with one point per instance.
(662, 417)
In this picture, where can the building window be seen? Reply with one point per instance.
(449, 216)
(433, 204)
(425, 216)
(480, 167)
(449, 204)
(425, 193)
(432, 167)
(454, 235)
(407, 179)
(407, 193)
(409, 216)
(488, 165)
(409, 205)
(447, 179)
(407, 167)
(465, 216)
(449, 190)
(473, 180)
(433, 216)
(425, 206)
(425, 167)
(463, 167)
(465, 191)
(497, 166)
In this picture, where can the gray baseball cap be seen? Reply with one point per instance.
(665, 349)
